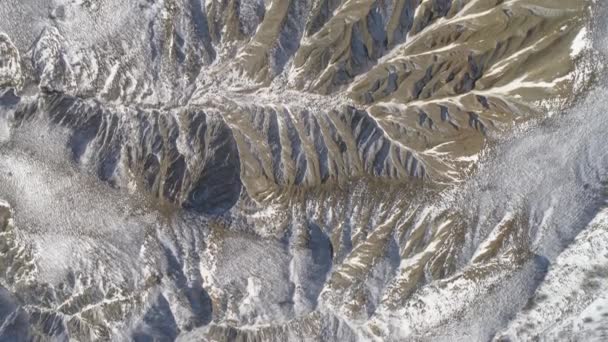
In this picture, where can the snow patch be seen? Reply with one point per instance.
(581, 42)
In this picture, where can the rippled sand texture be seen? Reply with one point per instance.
(301, 170)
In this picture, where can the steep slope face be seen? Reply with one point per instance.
(290, 169)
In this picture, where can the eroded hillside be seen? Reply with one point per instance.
(290, 169)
